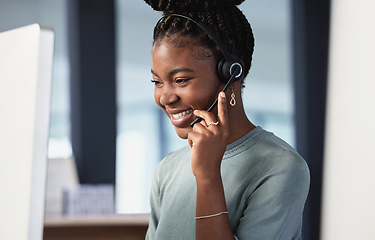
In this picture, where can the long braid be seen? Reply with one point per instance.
(222, 16)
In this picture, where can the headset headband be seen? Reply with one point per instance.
(230, 60)
(204, 27)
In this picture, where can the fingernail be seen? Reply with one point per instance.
(195, 111)
(222, 95)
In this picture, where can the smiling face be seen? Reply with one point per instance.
(185, 80)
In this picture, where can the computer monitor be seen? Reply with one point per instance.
(26, 56)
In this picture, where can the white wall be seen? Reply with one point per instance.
(349, 170)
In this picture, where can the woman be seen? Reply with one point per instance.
(234, 180)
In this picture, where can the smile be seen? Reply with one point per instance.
(181, 114)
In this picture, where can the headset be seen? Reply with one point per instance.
(229, 68)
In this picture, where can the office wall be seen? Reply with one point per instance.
(349, 160)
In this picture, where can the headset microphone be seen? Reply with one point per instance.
(229, 68)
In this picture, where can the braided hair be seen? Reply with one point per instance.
(222, 16)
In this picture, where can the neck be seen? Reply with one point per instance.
(239, 124)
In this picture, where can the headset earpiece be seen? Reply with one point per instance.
(226, 69)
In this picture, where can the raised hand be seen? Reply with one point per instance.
(208, 141)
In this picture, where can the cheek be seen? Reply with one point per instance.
(192, 97)
(202, 98)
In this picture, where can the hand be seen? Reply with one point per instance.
(208, 141)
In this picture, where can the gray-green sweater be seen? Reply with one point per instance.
(266, 183)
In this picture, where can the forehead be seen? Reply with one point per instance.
(166, 58)
(197, 50)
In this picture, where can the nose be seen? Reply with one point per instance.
(168, 96)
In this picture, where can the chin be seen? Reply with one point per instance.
(183, 132)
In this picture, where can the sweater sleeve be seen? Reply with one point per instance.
(155, 206)
(274, 209)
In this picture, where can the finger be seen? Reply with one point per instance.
(203, 123)
(208, 117)
(200, 127)
(190, 141)
(192, 138)
(222, 110)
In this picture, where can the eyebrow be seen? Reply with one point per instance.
(174, 71)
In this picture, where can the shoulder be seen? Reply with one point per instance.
(281, 157)
(268, 156)
(261, 157)
(282, 168)
(260, 147)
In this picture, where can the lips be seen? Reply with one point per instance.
(180, 115)
(181, 119)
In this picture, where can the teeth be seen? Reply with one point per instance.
(181, 114)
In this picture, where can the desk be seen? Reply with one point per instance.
(111, 227)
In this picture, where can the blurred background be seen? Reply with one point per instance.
(106, 129)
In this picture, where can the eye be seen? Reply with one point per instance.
(182, 81)
(155, 82)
